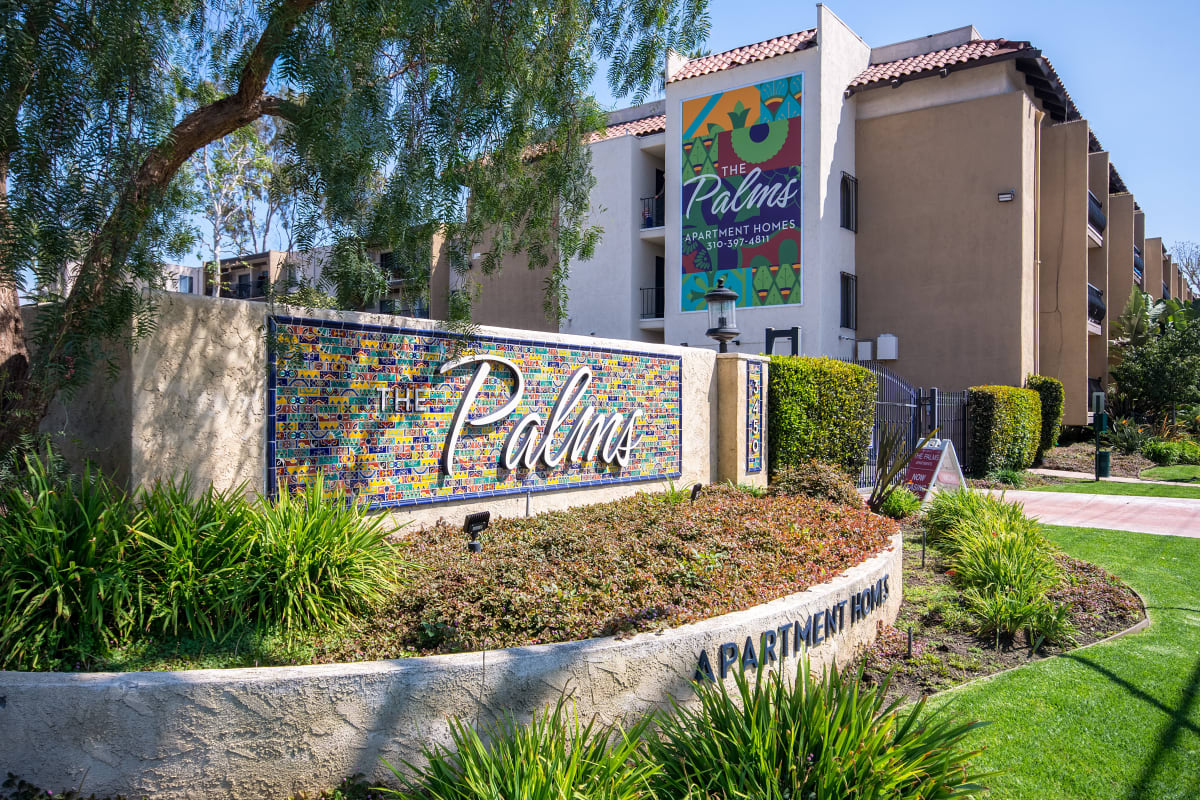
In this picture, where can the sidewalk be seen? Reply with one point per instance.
(1170, 516)
(1089, 476)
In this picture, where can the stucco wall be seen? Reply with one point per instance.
(941, 263)
(275, 732)
(1120, 236)
(191, 398)
(1063, 282)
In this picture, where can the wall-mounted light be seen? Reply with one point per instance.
(1006, 197)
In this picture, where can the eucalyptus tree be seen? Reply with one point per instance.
(397, 113)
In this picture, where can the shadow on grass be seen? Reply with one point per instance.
(1177, 720)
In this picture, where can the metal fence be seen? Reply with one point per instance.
(914, 410)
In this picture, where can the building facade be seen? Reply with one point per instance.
(944, 191)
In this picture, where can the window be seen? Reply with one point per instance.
(185, 284)
(849, 202)
(387, 263)
(387, 306)
(849, 301)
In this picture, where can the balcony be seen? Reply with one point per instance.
(1139, 267)
(653, 302)
(1097, 222)
(1166, 295)
(1096, 309)
(654, 211)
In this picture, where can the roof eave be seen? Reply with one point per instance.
(940, 72)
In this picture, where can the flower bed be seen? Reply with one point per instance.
(637, 564)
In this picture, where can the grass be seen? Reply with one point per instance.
(1115, 488)
(1119, 720)
(1184, 473)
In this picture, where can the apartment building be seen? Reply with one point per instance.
(944, 193)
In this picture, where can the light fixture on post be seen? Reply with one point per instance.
(722, 304)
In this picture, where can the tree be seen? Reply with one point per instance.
(1161, 373)
(396, 115)
(1187, 256)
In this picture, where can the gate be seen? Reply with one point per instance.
(916, 411)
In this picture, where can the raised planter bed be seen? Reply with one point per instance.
(277, 731)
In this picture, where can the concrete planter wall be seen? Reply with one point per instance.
(272, 732)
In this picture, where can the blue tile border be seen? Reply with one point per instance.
(754, 417)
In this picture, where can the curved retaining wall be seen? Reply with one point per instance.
(276, 731)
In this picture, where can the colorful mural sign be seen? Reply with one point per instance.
(398, 417)
(742, 193)
(754, 417)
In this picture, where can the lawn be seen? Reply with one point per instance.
(1113, 487)
(1117, 720)
(1184, 473)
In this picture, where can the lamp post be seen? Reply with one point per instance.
(722, 304)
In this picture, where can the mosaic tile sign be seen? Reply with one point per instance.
(741, 193)
(754, 416)
(399, 417)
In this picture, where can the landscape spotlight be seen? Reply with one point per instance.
(696, 491)
(474, 525)
(722, 304)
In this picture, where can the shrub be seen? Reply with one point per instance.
(1009, 477)
(1050, 391)
(315, 561)
(777, 738)
(1127, 436)
(817, 479)
(1166, 453)
(69, 568)
(1005, 428)
(821, 409)
(554, 756)
(948, 510)
(900, 504)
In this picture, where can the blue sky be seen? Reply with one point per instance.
(1131, 68)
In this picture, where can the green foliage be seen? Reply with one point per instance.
(554, 757)
(821, 409)
(1002, 562)
(816, 479)
(891, 458)
(1009, 477)
(316, 561)
(1005, 428)
(900, 504)
(395, 116)
(1127, 436)
(830, 738)
(1166, 453)
(84, 568)
(948, 510)
(1162, 373)
(1051, 392)
(69, 561)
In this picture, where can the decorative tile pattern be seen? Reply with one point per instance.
(325, 412)
(754, 416)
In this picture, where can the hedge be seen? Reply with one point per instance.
(822, 409)
(1051, 392)
(1005, 428)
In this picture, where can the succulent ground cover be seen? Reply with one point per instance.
(646, 562)
(948, 650)
(641, 563)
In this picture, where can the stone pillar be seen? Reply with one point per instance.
(742, 418)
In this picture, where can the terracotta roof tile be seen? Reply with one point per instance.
(746, 55)
(637, 127)
(977, 50)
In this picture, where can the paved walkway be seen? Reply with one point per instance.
(1090, 476)
(1171, 516)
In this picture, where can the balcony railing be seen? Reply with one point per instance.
(1096, 216)
(653, 302)
(654, 212)
(1139, 266)
(1096, 307)
(1166, 291)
